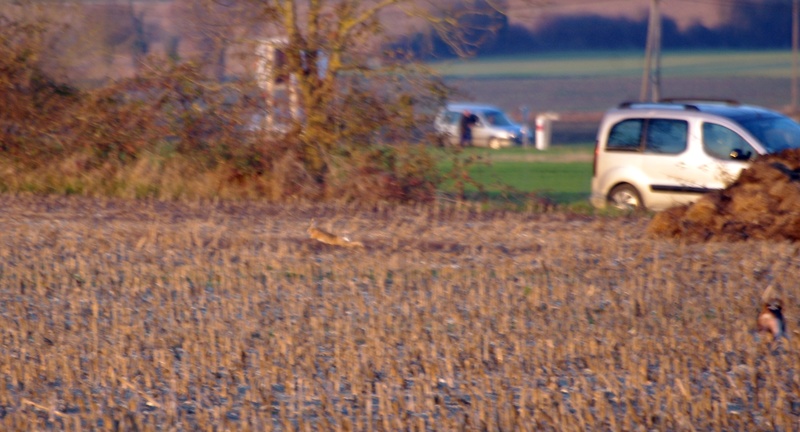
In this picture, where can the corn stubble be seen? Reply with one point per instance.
(117, 315)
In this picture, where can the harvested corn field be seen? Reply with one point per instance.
(122, 315)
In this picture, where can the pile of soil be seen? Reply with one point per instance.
(763, 203)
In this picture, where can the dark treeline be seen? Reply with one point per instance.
(751, 25)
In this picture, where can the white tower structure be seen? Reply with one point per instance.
(275, 82)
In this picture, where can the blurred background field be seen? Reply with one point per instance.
(581, 85)
(695, 63)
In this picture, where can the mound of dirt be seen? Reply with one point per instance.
(763, 203)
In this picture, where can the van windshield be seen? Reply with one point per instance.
(775, 133)
(497, 118)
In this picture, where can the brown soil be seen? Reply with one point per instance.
(763, 203)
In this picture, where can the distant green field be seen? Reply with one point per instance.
(774, 64)
(562, 174)
(591, 82)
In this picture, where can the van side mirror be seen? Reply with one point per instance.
(738, 154)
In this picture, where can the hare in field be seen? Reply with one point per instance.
(328, 238)
(770, 319)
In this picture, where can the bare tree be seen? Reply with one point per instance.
(330, 54)
(213, 28)
(116, 26)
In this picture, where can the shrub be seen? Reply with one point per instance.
(174, 133)
(33, 102)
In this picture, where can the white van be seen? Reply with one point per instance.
(493, 128)
(658, 155)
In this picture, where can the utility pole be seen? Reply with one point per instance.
(795, 45)
(651, 78)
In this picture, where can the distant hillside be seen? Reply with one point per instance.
(529, 26)
(684, 13)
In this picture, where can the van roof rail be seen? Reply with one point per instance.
(689, 104)
(693, 100)
(631, 104)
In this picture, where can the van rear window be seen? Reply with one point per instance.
(626, 135)
(666, 136)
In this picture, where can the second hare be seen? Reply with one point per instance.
(770, 319)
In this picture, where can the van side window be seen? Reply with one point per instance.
(723, 143)
(625, 135)
(453, 117)
(666, 136)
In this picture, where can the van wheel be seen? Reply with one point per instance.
(494, 143)
(625, 197)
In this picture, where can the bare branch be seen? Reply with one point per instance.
(347, 26)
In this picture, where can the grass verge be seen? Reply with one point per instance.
(561, 174)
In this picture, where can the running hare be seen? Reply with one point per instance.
(328, 238)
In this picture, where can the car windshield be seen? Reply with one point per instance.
(775, 133)
(497, 118)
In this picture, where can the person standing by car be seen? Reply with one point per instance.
(468, 120)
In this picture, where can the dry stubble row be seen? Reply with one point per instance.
(213, 316)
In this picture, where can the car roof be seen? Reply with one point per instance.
(728, 109)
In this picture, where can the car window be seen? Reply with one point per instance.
(497, 118)
(625, 135)
(775, 133)
(666, 136)
(721, 143)
(453, 117)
